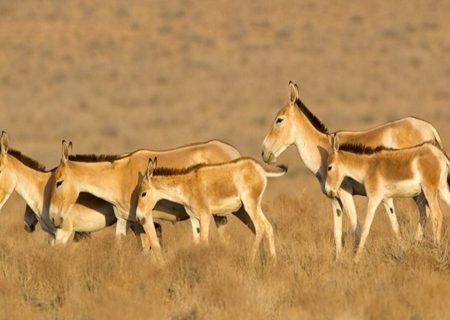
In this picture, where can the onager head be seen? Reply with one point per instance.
(282, 133)
(64, 191)
(147, 198)
(7, 179)
(335, 172)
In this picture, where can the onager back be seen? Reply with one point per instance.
(206, 189)
(422, 170)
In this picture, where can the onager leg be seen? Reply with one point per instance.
(390, 211)
(371, 209)
(268, 232)
(221, 223)
(121, 227)
(149, 228)
(422, 205)
(259, 228)
(436, 214)
(195, 224)
(348, 205)
(205, 219)
(30, 220)
(63, 236)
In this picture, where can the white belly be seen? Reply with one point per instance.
(403, 189)
(225, 206)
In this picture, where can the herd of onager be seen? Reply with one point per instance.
(86, 193)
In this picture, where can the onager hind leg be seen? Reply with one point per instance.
(390, 211)
(422, 205)
(268, 232)
(257, 217)
(435, 212)
(221, 225)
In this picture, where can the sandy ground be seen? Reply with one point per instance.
(114, 76)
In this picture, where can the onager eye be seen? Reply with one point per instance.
(144, 194)
(329, 168)
(59, 183)
(279, 120)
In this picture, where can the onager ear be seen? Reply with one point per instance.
(65, 152)
(4, 143)
(70, 148)
(335, 142)
(150, 167)
(293, 93)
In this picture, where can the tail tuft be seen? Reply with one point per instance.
(275, 171)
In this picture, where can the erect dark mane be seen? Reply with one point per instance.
(311, 117)
(31, 163)
(94, 157)
(164, 171)
(361, 149)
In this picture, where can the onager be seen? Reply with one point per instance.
(32, 182)
(392, 173)
(206, 189)
(115, 179)
(296, 125)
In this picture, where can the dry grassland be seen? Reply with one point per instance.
(114, 76)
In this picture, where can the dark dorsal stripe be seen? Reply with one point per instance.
(95, 157)
(31, 163)
(362, 149)
(164, 171)
(311, 117)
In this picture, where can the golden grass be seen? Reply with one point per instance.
(99, 278)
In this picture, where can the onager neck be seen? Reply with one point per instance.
(354, 165)
(171, 187)
(31, 184)
(101, 179)
(312, 145)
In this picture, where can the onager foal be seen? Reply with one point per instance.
(215, 188)
(392, 173)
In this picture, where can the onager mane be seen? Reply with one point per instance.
(31, 163)
(311, 117)
(96, 157)
(166, 172)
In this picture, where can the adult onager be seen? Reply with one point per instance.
(32, 182)
(115, 178)
(296, 124)
(214, 188)
(391, 173)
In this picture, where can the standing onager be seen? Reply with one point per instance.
(389, 173)
(31, 181)
(215, 188)
(295, 124)
(116, 179)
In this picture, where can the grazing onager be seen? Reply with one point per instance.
(31, 181)
(296, 125)
(391, 173)
(206, 189)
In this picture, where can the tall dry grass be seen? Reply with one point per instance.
(100, 278)
(114, 76)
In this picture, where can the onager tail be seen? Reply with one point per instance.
(437, 137)
(274, 171)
